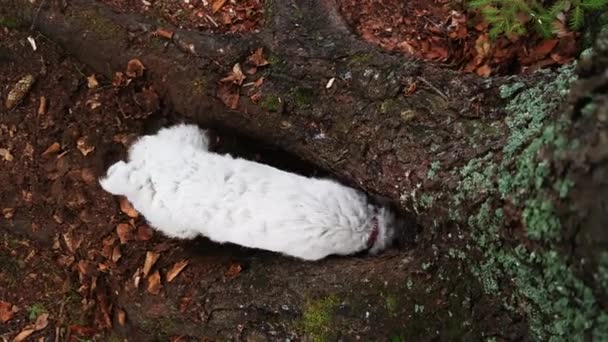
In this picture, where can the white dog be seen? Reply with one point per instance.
(184, 190)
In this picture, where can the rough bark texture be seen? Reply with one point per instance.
(505, 177)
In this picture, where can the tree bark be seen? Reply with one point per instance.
(506, 172)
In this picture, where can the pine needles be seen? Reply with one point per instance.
(514, 17)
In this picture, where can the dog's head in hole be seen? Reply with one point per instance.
(184, 190)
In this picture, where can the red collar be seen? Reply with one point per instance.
(373, 236)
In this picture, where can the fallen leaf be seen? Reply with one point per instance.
(116, 254)
(257, 58)
(124, 232)
(236, 76)
(176, 269)
(93, 102)
(144, 233)
(121, 317)
(92, 82)
(41, 322)
(85, 268)
(6, 154)
(71, 242)
(136, 278)
(24, 334)
(6, 311)
(484, 70)
(54, 148)
(135, 68)
(19, 90)
(127, 208)
(151, 258)
(233, 271)
(42, 105)
(119, 79)
(217, 5)
(8, 213)
(83, 146)
(165, 33)
(65, 260)
(82, 331)
(154, 284)
(229, 95)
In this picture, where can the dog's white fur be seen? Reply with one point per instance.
(184, 190)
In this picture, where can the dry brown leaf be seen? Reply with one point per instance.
(6, 154)
(233, 271)
(257, 58)
(144, 233)
(151, 258)
(124, 231)
(8, 213)
(121, 317)
(484, 70)
(135, 68)
(85, 267)
(83, 146)
(154, 284)
(176, 269)
(42, 106)
(6, 311)
(65, 260)
(24, 334)
(235, 76)
(92, 82)
(229, 95)
(93, 102)
(127, 208)
(18, 92)
(217, 5)
(54, 148)
(116, 253)
(165, 33)
(41, 322)
(71, 242)
(119, 79)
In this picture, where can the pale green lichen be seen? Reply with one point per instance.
(433, 170)
(507, 90)
(558, 305)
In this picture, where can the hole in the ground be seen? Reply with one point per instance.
(225, 140)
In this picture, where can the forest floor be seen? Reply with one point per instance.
(78, 265)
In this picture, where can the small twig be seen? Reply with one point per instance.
(36, 15)
(430, 85)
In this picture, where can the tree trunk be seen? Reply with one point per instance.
(505, 177)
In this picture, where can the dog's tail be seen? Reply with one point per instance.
(119, 179)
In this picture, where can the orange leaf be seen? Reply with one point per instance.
(127, 208)
(6, 311)
(176, 269)
(154, 284)
(217, 5)
(124, 232)
(257, 58)
(233, 271)
(144, 233)
(151, 258)
(135, 68)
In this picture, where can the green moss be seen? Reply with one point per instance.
(302, 97)
(99, 24)
(391, 303)
(317, 317)
(35, 310)
(271, 103)
(359, 59)
(388, 106)
(198, 86)
(11, 22)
